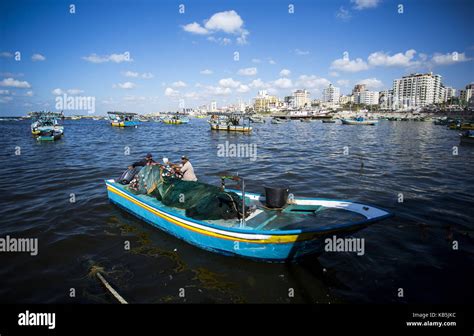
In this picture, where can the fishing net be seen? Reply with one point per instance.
(200, 200)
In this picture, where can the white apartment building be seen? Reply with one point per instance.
(416, 90)
(301, 99)
(331, 94)
(369, 97)
(466, 95)
(449, 93)
(386, 99)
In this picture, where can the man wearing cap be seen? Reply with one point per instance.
(148, 160)
(186, 169)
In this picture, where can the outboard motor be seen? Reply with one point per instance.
(276, 197)
(128, 175)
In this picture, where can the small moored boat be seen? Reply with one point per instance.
(359, 121)
(123, 119)
(271, 231)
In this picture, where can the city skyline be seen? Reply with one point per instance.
(150, 57)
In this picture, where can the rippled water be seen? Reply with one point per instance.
(412, 250)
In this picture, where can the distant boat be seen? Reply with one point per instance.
(233, 122)
(276, 121)
(44, 122)
(467, 137)
(123, 119)
(175, 120)
(329, 121)
(257, 120)
(359, 121)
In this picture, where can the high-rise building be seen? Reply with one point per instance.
(386, 99)
(416, 90)
(213, 107)
(301, 98)
(369, 97)
(331, 94)
(449, 93)
(466, 95)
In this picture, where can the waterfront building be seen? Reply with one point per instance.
(331, 95)
(346, 99)
(449, 93)
(369, 97)
(213, 107)
(386, 100)
(265, 102)
(416, 90)
(301, 99)
(466, 95)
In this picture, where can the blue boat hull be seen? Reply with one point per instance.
(244, 243)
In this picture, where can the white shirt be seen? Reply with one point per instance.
(188, 172)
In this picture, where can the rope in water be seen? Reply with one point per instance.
(111, 289)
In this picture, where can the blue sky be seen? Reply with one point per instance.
(146, 56)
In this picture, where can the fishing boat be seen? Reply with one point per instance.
(467, 126)
(51, 135)
(257, 120)
(276, 121)
(467, 137)
(329, 121)
(233, 122)
(175, 120)
(358, 121)
(266, 233)
(46, 121)
(123, 119)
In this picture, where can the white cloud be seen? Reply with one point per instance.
(6, 99)
(285, 73)
(449, 58)
(363, 4)
(126, 85)
(29, 94)
(147, 75)
(312, 82)
(301, 52)
(10, 82)
(192, 95)
(4, 92)
(343, 82)
(116, 58)
(345, 64)
(6, 54)
(381, 58)
(283, 83)
(229, 83)
(343, 14)
(179, 84)
(271, 61)
(195, 28)
(248, 71)
(220, 40)
(58, 92)
(218, 90)
(38, 57)
(243, 88)
(131, 74)
(256, 60)
(334, 74)
(169, 92)
(206, 72)
(372, 83)
(257, 83)
(228, 21)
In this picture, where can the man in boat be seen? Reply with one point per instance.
(186, 169)
(148, 160)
